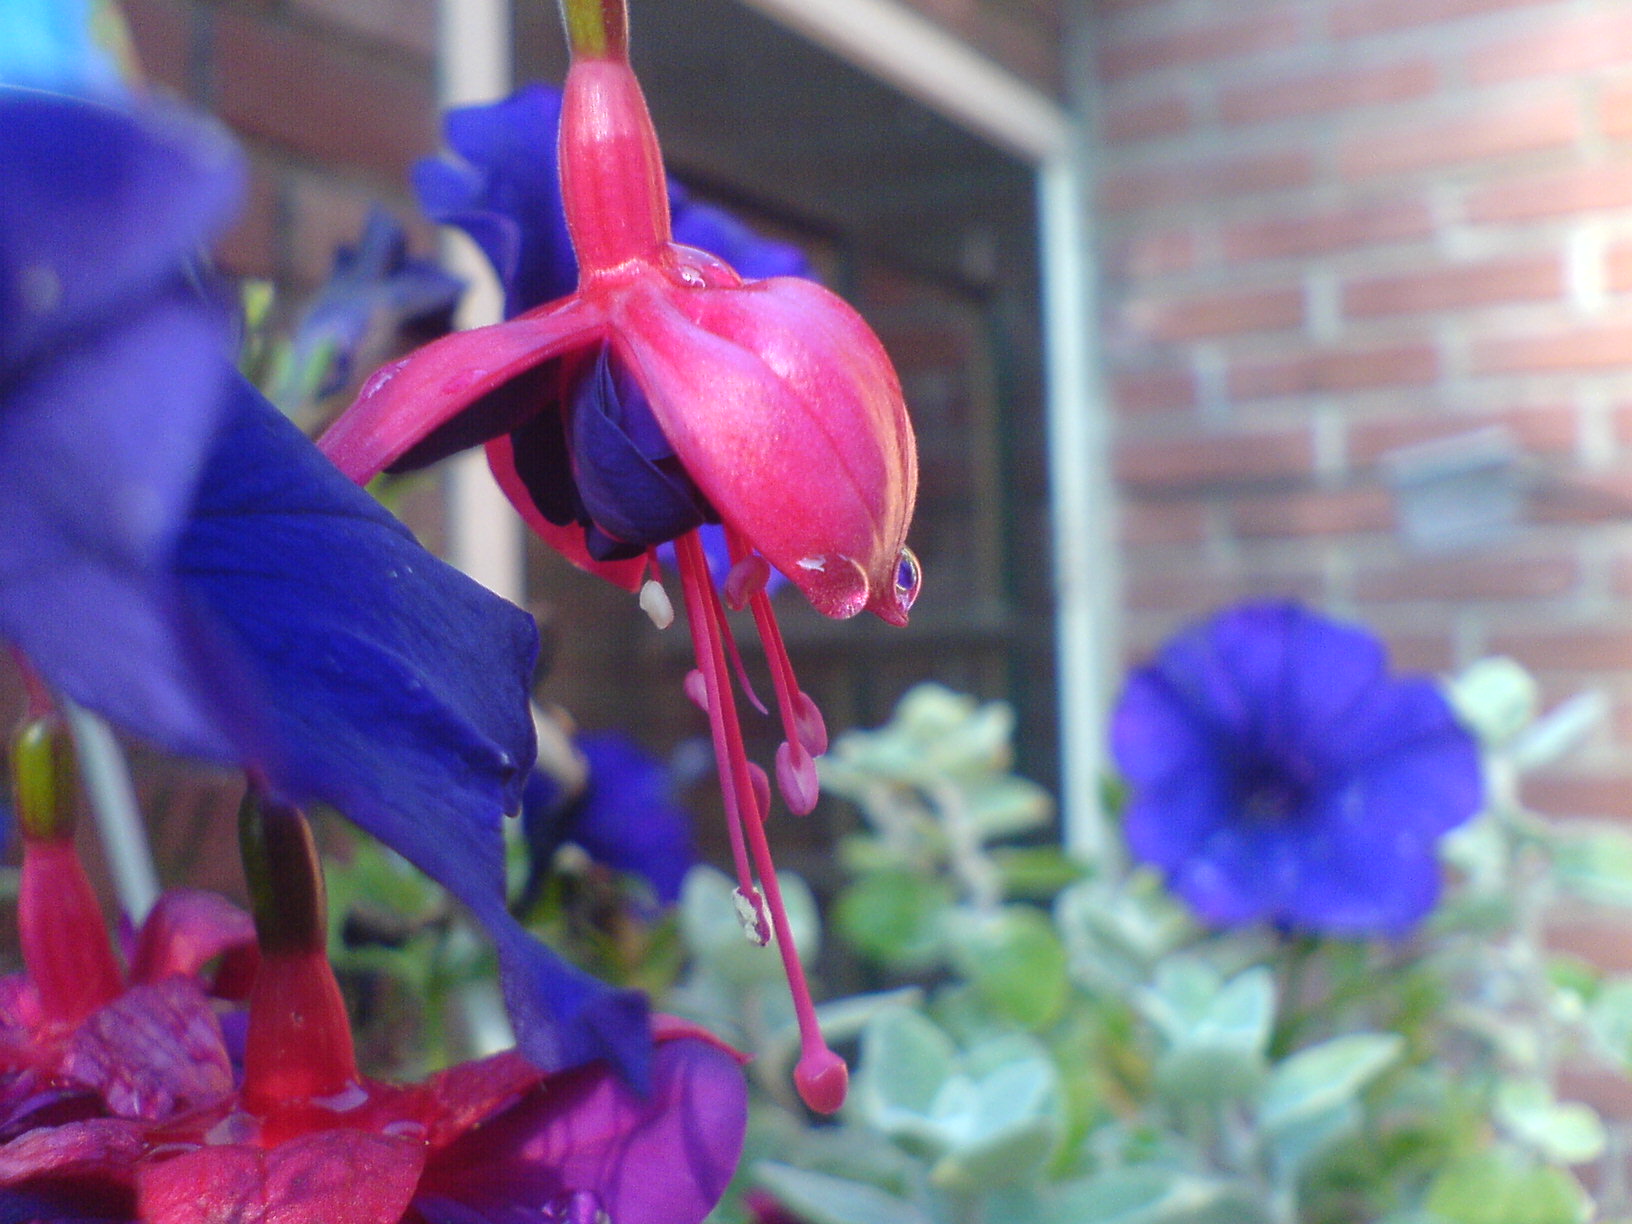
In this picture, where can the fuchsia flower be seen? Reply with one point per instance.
(666, 393)
(119, 1101)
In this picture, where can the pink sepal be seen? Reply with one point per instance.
(409, 399)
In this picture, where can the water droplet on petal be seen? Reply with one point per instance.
(462, 381)
(835, 586)
(746, 579)
(796, 778)
(751, 913)
(697, 689)
(691, 277)
(655, 602)
(909, 576)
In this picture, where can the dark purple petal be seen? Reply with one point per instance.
(633, 488)
(507, 193)
(396, 691)
(664, 1158)
(625, 819)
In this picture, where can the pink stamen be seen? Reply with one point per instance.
(746, 579)
(697, 689)
(801, 720)
(820, 1075)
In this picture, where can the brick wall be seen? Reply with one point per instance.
(333, 99)
(1334, 227)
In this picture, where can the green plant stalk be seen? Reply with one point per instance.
(596, 29)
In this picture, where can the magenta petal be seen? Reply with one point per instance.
(330, 1177)
(784, 371)
(153, 1052)
(186, 930)
(403, 403)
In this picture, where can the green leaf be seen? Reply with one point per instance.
(1496, 698)
(715, 934)
(905, 1061)
(1595, 863)
(1007, 806)
(822, 1199)
(1036, 873)
(1155, 1196)
(1498, 1186)
(896, 917)
(1217, 1035)
(1567, 1132)
(1014, 961)
(1325, 1076)
(1609, 1016)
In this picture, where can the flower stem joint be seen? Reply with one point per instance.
(666, 393)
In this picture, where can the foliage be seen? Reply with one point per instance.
(1068, 1045)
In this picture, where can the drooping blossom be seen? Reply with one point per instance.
(665, 393)
(144, 1116)
(622, 814)
(179, 558)
(1279, 774)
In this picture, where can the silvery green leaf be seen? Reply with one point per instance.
(1496, 698)
(1217, 1037)
(1609, 1016)
(1322, 1077)
(1114, 933)
(1295, 1146)
(714, 932)
(906, 1062)
(1014, 961)
(1006, 806)
(1595, 863)
(822, 1199)
(1568, 1132)
(1560, 732)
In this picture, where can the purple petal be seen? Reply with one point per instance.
(99, 208)
(664, 1158)
(152, 1053)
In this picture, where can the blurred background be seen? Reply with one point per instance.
(1192, 300)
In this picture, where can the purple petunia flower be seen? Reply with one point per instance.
(1279, 774)
(178, 557)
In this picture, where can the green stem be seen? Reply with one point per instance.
(597, 29)
(284, 875)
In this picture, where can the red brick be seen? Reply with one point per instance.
(1419, 653)
(1193, 44)
(313, 98)
(1143, 523)
(1320, 92)
(1191, 181)
(1151, 253)
(1615, 110)
(1602, 346)
(1321, 513)
(1582, 648)
(1167, 115)
(1295, 235)
(1146, 391)
(409, 25)
(1540, 121)
(1226, 313)
(1543, 429)
(161, 31)
(1584, 499)
(1214, 459)
(1580, 795)
(1532, 197)
(1338, 369)
(1195, 591)
(250, 248)
(1460, 579)
(326, 214)
(1359, 17)
(1457, 287)
(1567, 44)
